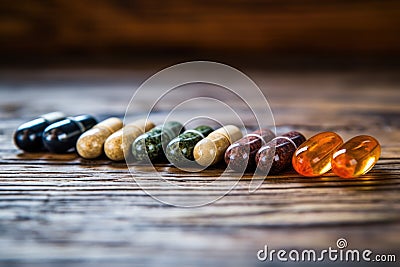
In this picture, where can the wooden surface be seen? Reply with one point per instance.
(59, 210)
(116, 29)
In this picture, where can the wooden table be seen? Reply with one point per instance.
(62, 210)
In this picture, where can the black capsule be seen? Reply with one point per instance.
(62, 136)
(28, 136)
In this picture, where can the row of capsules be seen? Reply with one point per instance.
(311, 158)
(57, 133)
(201, 146)
(325, 151)
(189, 149)
(204, 147)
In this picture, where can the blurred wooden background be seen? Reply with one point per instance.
(311, 31)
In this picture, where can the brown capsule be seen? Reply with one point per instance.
(90, 144)
(117, 145)
(284, 146)
(241, 155)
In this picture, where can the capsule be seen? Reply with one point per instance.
(61, 136)
(240, 156)
(313, 157)
(211, 149)
(117, 145)
(28, 136)
(280, 150)
(150, 145)
(180, 150)
(90, 144)
(356, 157)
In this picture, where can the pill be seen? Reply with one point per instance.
(117, 145)
(314, 156)
(277, 154)
(356, 157)
(211, 149)
(28, 136)
(151, 145)
(180, 150)
(241, 154)
(90, 144)
(61, 136)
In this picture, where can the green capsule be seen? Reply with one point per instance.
(180, 150)
(149, 146)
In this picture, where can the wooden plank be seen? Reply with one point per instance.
(63, 210)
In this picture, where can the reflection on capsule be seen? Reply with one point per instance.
(61, 136)
(356, 157)
(28, 136)
(313, 157)
(280, 150)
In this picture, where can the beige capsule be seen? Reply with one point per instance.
(117, 145)
(211, 149)
(90, 143)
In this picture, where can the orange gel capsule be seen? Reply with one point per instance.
(313, 157)
(356, 157)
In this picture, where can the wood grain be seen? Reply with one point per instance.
(63, 210)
